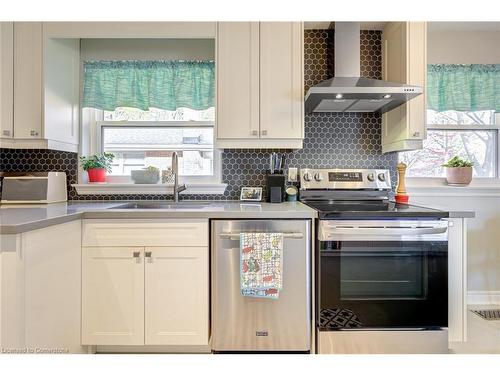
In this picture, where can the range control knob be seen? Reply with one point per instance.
(307, 176)
(371, 177)
(381, 177)
(318, 177)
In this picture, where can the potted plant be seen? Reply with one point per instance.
(458, 171)
(148, 175)
(97, 166)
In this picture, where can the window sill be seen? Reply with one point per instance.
(438, 187)
(143, 189)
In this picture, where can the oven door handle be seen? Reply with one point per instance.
(383, 231)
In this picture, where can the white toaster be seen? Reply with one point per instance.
(34, 187)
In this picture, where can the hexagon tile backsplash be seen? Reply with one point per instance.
(332, 140)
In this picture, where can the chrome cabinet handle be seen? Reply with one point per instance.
(255, 133)
(263, 132)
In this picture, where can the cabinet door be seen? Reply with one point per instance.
(52, 287)
(6, 79)
(28, 80)
(237, 80)
(176, 294)
(281, 80)
(404, 60)
(61, 89)
(112, 296)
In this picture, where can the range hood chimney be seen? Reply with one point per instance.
(348, 91)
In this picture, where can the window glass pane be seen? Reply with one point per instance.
(155, 114)
(461, 118)
(441, 145)
(139, 147)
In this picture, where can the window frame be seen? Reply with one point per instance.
(98, 123)
(456, 127)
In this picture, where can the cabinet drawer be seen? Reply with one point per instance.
(178, 232)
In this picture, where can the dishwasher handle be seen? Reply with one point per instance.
(236, 236)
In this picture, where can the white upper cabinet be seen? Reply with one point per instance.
(28, 80)
(260, 85)
(6, 79)
(62, 90)
(404, 60)
(40, 88)
(238, 80)
(281, 80)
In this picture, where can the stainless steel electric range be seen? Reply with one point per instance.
(381, 267)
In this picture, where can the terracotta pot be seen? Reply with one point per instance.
(97, 175)
(458, 175)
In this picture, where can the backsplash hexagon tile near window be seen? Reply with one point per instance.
(342, 140)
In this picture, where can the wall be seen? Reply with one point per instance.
(147, 49)
(483, 261)
(463, 47)
(331, 140)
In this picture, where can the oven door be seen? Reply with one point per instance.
(383, 275)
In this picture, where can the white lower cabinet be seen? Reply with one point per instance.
(176, 296)
(112, 296)
(40, 285)
(145, 295)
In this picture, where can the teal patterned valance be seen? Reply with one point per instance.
(474, 87)
(165, 85)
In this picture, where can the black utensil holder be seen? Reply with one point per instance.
(275, 184)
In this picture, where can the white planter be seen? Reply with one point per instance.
(459, 175)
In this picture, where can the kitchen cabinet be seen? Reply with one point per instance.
(145, 282)
(176, 296)
(28, 80)
(260, 85)
(41, 88)
(238, 80)
(404, 60)
(40, 283)
(112, 295)
(6, 79)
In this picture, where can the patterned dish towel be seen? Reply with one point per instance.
(261, 264)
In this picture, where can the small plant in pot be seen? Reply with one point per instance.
(458, 171)
(97, 165)
(148, 175)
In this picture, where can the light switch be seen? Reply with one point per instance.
(292, 174)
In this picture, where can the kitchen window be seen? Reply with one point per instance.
(463, 118)
(143, 111)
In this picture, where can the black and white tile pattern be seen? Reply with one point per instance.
(331, 139)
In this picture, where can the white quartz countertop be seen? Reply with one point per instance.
(23, 218)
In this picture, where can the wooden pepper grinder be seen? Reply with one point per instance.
(401, 196)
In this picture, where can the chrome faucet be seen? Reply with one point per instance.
(175, 171)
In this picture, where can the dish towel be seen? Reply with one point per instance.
(261, 264)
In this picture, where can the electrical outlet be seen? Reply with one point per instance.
(292, 174)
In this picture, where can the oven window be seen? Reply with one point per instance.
(386, 271)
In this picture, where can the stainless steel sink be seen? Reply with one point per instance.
(161, 206)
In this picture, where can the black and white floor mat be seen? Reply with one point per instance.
(488, 314)
(338, 318)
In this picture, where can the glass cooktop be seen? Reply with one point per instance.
(371, 209)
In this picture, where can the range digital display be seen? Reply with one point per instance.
(345, 176)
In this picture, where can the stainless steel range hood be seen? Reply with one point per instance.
(347, 91)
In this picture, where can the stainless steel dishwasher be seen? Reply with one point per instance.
(258, 324)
